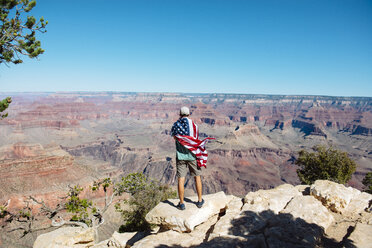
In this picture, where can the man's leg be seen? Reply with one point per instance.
(181, 188)
(198, 185)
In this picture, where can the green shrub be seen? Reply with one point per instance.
(326, 164)
(79, 207)
(4, 104)
(131, 183)
(146, 195)
(18, 31)
(367, 181)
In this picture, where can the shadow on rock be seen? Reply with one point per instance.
(269, 230)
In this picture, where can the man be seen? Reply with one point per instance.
(191, 154)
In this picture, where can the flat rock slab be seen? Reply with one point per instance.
(309, 209)
(272, 199)
(66, 237)
(166, 214)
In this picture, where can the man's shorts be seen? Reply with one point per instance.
(183, 165)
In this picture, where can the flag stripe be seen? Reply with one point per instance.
(187, 134)
(191, 127)
(196, 146)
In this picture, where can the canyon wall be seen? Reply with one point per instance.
(256, 135)
(52, 140)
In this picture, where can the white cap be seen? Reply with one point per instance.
(184, 111)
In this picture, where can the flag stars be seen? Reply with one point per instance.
(181, 127)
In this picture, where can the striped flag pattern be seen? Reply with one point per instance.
(196, 146)
(187, 133)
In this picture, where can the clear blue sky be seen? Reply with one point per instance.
(311, 47)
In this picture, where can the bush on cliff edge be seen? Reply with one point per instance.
(325, 164)
(145, 195)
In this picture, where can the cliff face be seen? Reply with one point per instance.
(66, 110)
(257, 136)
(41, 172)
(21, 164)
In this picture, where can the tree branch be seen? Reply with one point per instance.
(47, 209)
(63, 222)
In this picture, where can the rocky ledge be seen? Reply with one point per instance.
(325, 214)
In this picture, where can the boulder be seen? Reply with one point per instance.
(309, 209)
(274, 199)
(66, 237)
(166, 214)
(224, 223)
(338, 198)
(359, 203)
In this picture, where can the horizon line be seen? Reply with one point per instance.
(179, 93)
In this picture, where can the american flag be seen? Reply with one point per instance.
(187, 133)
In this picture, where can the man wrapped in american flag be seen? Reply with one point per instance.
(191, 154)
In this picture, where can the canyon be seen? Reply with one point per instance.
(52, 140)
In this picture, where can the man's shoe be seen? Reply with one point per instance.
(200, 204)
(181, 206)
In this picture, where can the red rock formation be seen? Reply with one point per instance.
(311, 115)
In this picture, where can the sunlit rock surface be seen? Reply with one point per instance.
(166, 215)
(66, 237)
(299, 220)
(274, 199)
(339, 198)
